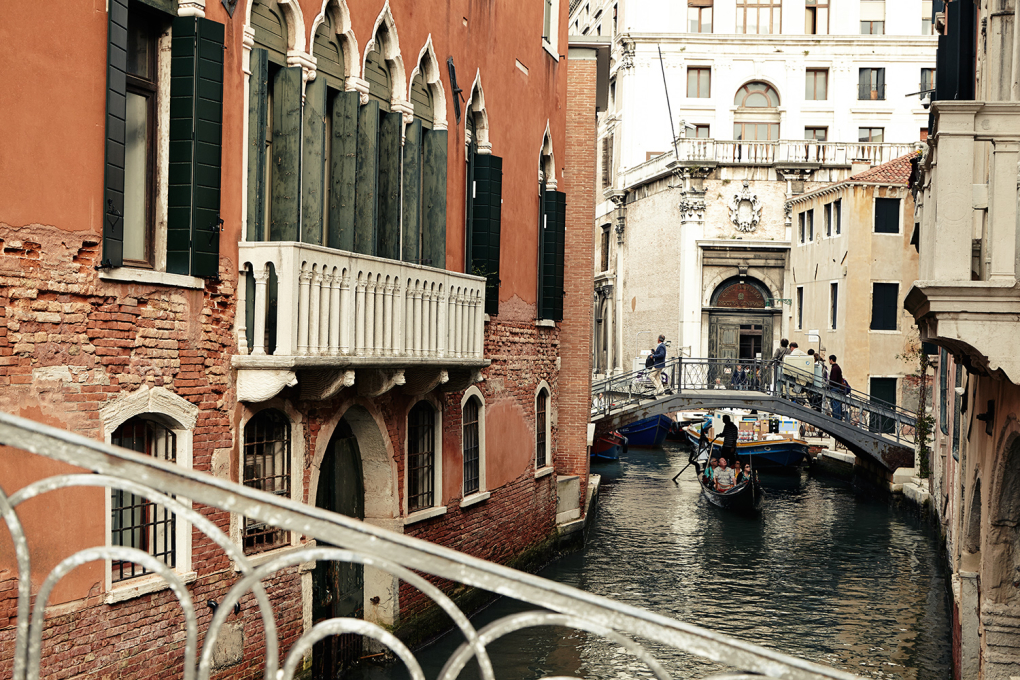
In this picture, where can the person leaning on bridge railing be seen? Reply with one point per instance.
(658, 363)
(837, 387)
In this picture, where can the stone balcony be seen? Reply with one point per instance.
(971, 311)
(801, 154)
(328, 319)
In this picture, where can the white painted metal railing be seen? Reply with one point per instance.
(411, 560)
(333, 303)
(729, 152)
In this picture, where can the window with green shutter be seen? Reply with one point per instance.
(550, 255)
(484, 204)
(192, 141)
(423, 227)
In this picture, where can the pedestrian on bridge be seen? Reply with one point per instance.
(658, 363)
(777, 360)
(836, 385)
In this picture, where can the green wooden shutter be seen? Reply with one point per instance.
(116, 117)
(286, 162)
(486, 193)
(196, 122)
(312, 170)
(366, 206)
(433, 198)
(410, 250)
(344, 165)
(551, 247)
(388, 231)
(257, 115)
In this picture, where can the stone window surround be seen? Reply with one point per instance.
(551, 43)
(438, 508)
(548, 468)
(899, 214)
(179, 415)
(897, 304)
(297, 457)
(483, 492)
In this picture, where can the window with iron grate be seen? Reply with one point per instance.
(471, 447)
(267, 450)
(541, 421)
(421, 457)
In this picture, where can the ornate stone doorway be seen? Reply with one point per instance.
(740, 323)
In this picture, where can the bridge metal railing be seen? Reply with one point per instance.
(772, 378)
(338, 539)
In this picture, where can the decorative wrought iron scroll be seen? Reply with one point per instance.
(404, 557)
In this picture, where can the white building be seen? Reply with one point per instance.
(785, 95)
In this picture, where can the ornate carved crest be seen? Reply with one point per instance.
(692, 206)
(745, 209)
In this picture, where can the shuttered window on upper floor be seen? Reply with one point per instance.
(884, 306)
(551, 254)
(484, 213)
(192, 141)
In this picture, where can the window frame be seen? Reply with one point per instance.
(179, 416)
(927, 81)
(698, 9)
(482, 492)
(944, 390)
(814, 128)
(895, 307)
(882, 201)
(877, 86)
(698, 72)
(543, 429)
(827, 218)
(437, 507)
(812, 8)
(871, 135)
(604, 243)
(775, 15)
(773, 127)
(699, 128)
(799, 308)
(833, 305)
(837, 212)
(811, 75)
(287, 538)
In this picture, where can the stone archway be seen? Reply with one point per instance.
(740, 320)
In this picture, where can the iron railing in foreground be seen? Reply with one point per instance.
(165, 483)
(769, 378)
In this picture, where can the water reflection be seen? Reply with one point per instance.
(822, 574)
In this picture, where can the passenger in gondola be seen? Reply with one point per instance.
(710, 472)
(723, 476)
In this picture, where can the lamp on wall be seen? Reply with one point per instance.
(988, 416)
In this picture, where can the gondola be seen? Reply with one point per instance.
(745, 498)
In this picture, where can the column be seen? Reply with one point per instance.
(334, 313)
(388, 319)
(1002, 198)
(954, 177)
(347, 314)
(359, 319)
(304, 281)
(261, 279)
(314, 322)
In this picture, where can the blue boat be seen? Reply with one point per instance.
(649, 432)
(762, 454)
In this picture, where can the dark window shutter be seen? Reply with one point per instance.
(884, 306)
(433, 198)
(196, 127)
(366, 205)
(887, 215)
(343, 167)
(410, 226)
(258, 86)
(864, 84)
(285, 205)
(388, 231)
(606, 157)
(880, 83)
(486, 195)
(550, 271)
(312, 172)
(116, 115)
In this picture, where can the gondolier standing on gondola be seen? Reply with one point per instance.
(729, 435)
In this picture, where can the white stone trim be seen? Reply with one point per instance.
(545, 323)
(476, 106)
(293, 17)
(348, 42)
(143, 585)
(551, 43)
(547, 171)
(542, 472)
(437, 469)
(258, 559)
(470, 392)
(434, 80)
(474, 499)
(152, 276)
(390, 50)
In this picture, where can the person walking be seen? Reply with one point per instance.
(836, 386)
(658, 363)
(777, 362)
(730, 435)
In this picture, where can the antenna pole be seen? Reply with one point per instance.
(669, 109)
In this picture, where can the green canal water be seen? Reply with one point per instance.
(822, 573)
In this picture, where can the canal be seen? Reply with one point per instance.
(822, 573)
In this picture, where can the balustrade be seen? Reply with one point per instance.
(331, 303)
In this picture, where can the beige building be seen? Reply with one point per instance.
(967, 302)
(851, 264)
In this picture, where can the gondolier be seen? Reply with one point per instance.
(730, 434)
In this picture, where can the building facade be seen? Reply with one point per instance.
(787, 96)
(851, 265)
(965, 302)
(270, 240)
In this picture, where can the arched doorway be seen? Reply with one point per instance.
(740, 320)
(338, 588)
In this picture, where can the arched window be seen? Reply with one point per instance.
(421, 457)
(377, 73)
(756, 95)
(137, 522)
(484, 199)
(267, 453)
(472, 444)
(542, 458)
(421, 98)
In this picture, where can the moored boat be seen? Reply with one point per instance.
(745, 498)
(649, 432)
(609, 446)
(773, 452)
